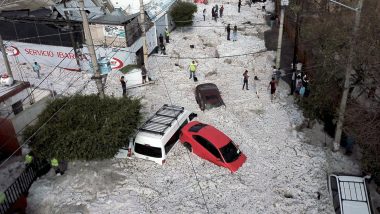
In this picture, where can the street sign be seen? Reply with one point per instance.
(284, 2)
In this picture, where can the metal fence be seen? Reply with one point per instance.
(22, 184)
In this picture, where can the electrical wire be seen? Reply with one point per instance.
(10, 113)
(26, 141)
(70, 85)
(188, 152)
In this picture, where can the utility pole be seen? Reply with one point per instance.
(297, 10)
(349, 72)
(279, 43)
(143, 37)
(91, 50)
(72, 36)
(5, 57)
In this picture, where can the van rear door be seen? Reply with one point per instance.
(148, 150)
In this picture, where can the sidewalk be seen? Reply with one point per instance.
(271, 39)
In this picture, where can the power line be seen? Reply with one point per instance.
(192, 166)
(70, 85)
(10, 113)
(27, 140)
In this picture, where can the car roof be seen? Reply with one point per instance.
(355, 207)
(218, 138)
(353, 194)
(206, 86)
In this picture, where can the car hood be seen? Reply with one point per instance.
(235, 165)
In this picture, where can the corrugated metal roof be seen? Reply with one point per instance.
(96, 14)
(117, 17)
(74, 14)
(157, 7)
(24, 4)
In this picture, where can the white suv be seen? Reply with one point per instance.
(349, 194)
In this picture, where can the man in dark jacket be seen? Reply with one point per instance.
(123, 85)
(228, 31)
(161, 39)
(144, 72)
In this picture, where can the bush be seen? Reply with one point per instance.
(86, 128)
(182, 13)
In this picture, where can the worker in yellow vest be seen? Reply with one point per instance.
(54, 164)
(3, 197)
(193, 69)
(28, 159)
(59, 166)
(167, 34)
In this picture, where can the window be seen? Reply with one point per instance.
(197, 127)
(169, 145)
(211, 98)
(148, 150)
(17, 107)
(207, 145)
(230, 152)
(335, 193)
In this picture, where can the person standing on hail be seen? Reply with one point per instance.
(167, 34)
(37, 68)
(193, 68)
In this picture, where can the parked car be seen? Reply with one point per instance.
(208, 96)
(157, 136)
(349, 194)
(211, 144)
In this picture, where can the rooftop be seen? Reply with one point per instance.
(9, 91)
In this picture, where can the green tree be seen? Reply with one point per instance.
(326, 30)
(182, 13)
(86, 128)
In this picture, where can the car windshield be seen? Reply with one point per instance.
(148, 150)
(230, 152)
(212, 101)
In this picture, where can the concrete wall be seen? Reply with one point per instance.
(6, 106)
(28, 115)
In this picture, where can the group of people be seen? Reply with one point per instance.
(234, 32)
(161, 41)
(214, 12)
(58, 166)
(302, 88)
(272, 84)
(250, 2)
(193, 65)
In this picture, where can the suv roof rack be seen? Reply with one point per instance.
(352, 191)
(162, 119)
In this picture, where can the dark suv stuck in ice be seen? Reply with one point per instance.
(208, 96)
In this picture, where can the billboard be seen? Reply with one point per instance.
(64, 57)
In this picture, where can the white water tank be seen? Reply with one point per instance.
(6, 80)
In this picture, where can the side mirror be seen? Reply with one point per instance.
(192, 116)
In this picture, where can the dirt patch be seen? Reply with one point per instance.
(207, 44)
(212, 73)
(228, 61)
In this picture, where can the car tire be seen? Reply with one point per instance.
(188, 147)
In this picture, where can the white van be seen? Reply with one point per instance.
(349, 195)
(160, 133)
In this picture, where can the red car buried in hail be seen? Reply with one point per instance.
(211, 144)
